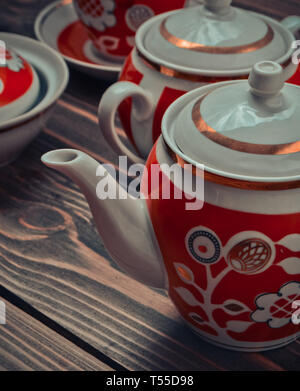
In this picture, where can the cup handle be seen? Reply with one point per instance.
(292, 23)
(143, 107)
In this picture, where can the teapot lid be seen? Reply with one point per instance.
(212, 39)
(19, 85)
(248, 130)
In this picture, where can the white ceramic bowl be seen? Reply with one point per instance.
(53, 74)
(19, 86)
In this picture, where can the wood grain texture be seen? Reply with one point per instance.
(52, 257)
(26, 344)
(277, 9)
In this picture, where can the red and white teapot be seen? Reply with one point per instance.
(181, 50)
(19, 85)
(229, 253)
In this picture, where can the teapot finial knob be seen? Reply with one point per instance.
(266, 78)
(218, 6)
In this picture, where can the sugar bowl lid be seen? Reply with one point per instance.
(213, 39)
(19, 85)
(244, 130)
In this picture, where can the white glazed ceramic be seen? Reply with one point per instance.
(232, 265)
(157, 71)
(19, 86)
(246, 130)
(16, 133)
(49, 25)
(214, 40)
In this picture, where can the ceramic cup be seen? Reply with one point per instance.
(112, 24)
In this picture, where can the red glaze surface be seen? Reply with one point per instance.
(16, 78)
(71, 47)
(129, 73)
(295, 79)
(168, 96)
(243, 292)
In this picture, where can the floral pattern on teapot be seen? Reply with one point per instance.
(234, 277)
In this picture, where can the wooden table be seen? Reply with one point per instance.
(68, 305)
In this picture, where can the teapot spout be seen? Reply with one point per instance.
(123, 222)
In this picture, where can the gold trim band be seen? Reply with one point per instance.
(198, 47)
(194, 78)
(187, 76)
(232, 182)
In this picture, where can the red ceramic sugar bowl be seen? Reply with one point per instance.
(19, 85)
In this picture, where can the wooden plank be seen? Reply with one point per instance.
(52, 257)
(26, 344)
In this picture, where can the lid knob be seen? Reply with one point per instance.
(266, 79)
(218, 6)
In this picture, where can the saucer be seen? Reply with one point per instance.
(59, 27)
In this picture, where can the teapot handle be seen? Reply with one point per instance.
(292, 23)
(143, 106)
